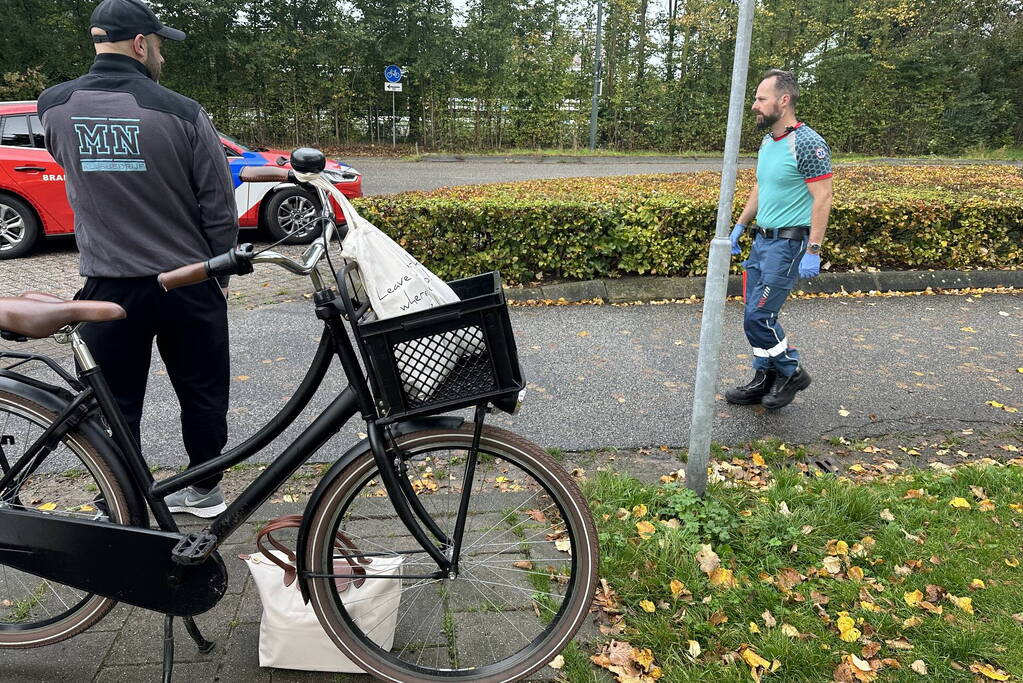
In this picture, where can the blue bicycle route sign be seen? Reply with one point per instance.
(392, 73)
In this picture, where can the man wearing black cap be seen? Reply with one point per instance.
(149, 184)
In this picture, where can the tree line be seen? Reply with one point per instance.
(877, 76)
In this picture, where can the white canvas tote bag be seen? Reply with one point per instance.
(290, 635)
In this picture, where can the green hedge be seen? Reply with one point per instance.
(884, 217)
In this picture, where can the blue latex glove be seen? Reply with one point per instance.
(734, 237)
(810, 265)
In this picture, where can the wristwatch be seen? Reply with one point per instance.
(813, 248)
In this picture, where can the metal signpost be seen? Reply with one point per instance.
(392, 84)
(717, 267)
(597, 65)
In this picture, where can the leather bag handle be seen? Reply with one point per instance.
(341, 542)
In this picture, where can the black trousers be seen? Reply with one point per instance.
(190, 328)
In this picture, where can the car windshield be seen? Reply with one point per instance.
(234, 141)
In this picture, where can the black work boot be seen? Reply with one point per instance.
(785, 388)
(754, 390)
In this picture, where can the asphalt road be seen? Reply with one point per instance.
(880, 365)
(622, 376)
(387, 176)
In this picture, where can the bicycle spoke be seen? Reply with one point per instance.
(518, 588)
(516, 610)
(498, 610)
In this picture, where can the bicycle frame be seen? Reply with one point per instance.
(95, 395)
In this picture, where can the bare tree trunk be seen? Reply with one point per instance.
(669, 64)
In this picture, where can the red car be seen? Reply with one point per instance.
(33, 201)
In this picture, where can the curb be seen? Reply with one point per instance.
(572, 159)
(651, 288)
(670, 159)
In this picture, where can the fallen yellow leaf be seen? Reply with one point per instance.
(758, 459)
(46, 507)
(243, 378)
(1011, 562)
(869, 606)
(960, 503)
(919, 667)
(564, 545)
(677, 587)
(965, 604)
(837, 548)
(790, 630)
(723, 577)
(911, 622)
(645, 529)
(847, 630)
(989, 671)
(913, 599)
(694, 649)
(978, 584)
(644, 657)
(557, 663)
(647, 606)
(754, 660)
(753, 628)
(639, 510)
(855, 573)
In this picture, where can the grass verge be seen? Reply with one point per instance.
(797, 578)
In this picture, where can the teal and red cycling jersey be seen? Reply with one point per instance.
(784, 167)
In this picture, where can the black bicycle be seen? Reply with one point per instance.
(498, 552)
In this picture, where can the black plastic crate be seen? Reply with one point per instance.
(444, 358)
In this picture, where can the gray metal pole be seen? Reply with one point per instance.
(597, 68)
(394, 123)
(717, 266)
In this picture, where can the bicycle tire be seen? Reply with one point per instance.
(343, 491)
(89, 608)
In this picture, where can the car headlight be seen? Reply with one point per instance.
(344, 175)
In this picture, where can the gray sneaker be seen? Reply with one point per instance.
(203, 505)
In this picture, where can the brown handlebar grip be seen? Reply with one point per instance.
(263, 174)
(185, 275)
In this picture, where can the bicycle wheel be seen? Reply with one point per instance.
(526, 574)
(74, 480)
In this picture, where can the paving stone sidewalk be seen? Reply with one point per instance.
(127, 645)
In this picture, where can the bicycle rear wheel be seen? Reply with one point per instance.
(74, 480)
(526, 575)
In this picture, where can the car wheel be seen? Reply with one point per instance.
(19, 227)
(289, 214)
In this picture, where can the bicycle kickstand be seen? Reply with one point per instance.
(168, 647)
(205, 646)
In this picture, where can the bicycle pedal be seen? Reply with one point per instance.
(194, 548)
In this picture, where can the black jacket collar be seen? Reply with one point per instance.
(108, 64)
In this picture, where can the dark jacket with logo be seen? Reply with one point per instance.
(146, 173)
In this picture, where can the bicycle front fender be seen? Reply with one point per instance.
(55, 401)
(396, 430)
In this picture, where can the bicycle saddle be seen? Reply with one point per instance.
(37, 314)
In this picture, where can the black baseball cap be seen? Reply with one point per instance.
(125, 19)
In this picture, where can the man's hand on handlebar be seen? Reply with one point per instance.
(238, 261)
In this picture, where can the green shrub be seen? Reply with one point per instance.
(884, 217)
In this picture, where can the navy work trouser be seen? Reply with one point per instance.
(771, 272)
(190, 328)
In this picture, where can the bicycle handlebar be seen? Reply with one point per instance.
(239, 261)
(191, 274)
(266, 174)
